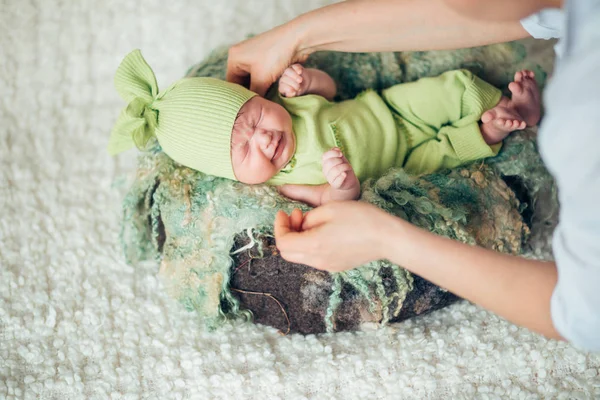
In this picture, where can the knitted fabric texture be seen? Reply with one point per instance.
(192, 119)
(422, 126)
(199, 215)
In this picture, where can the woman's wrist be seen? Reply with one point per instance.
(307, 32)
(298, 31)
(388, 236)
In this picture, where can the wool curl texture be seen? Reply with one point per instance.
(198, 215)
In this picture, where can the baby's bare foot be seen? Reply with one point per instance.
(498, 122)
(526, 96)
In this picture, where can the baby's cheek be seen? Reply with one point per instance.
(268, 175)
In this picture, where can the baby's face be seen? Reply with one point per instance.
(262, 141)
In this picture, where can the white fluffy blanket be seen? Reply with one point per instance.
(77, 323)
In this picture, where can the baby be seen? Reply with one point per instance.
(313, 149)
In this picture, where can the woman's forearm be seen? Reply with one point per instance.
(512, 287)
(395, 25)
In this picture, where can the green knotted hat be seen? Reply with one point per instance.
(192, 119)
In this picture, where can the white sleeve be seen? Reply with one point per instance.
(546, 24)
(570, 145)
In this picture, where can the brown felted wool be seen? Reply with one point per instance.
(299, 295)
(294, 298)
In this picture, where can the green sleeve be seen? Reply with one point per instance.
(451, 148)
(441, 118)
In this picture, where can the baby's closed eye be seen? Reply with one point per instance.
(242, 132)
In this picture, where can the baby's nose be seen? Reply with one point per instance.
(265, 137)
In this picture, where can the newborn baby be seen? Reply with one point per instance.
(316, 150)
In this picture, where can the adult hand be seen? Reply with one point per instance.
(334, 237)
(263, 58)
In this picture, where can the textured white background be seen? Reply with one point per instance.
(77, 323)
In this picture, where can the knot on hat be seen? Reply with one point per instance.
(136, 84)
(144, 118)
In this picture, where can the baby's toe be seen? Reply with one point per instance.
(500, 123)
(518, 76)
(488, 116)
(515, 88)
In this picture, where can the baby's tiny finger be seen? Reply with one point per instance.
(289, 92)
(344, 158)
(333, 153)
(331, 163)
(337, 170)
(339, 180)
(290, 81)
(298, 68)
(292, 74)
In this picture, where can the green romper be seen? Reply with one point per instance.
(421, 126)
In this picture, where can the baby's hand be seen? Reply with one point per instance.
(294, 82)
(338, 171)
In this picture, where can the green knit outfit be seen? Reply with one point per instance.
(422, 126)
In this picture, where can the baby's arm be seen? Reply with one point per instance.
(297, 81)
(342, 183)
